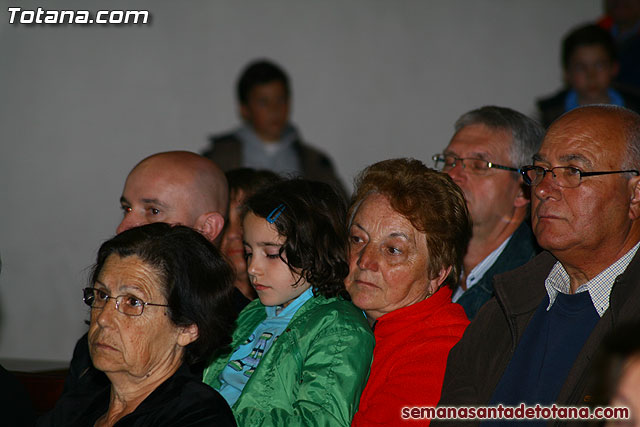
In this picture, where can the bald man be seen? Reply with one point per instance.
(176, 187)
(535, 340)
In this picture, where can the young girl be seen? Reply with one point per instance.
(301, 351)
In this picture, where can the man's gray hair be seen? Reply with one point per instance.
(632, 134)
(631, 130)
(526, 133)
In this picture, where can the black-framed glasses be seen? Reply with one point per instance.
(563, 176)
(125, 304)
(446, 162)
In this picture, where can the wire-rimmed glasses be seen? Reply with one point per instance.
(446, 162)
(125, 304)
(563, 176)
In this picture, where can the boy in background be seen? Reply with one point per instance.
(266, 139)
(590, 64)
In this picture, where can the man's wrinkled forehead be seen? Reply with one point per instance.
(480, 141)
(145, 184)
(584, 138)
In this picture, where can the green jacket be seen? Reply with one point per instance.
(313, 374)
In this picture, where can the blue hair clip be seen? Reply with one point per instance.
(275, 213)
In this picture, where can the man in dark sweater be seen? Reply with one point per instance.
(534, 341)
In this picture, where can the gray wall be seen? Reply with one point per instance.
(80, 105)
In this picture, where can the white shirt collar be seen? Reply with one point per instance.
(599, 287)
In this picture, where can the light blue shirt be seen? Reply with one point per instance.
(280, 157)
(571, 99)
(246, 358)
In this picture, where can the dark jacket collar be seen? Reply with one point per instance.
(526, 299)
(536, 272)
(521, 248)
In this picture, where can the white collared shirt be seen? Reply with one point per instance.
(599, 287)
(479, 270)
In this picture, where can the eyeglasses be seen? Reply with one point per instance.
(125, 304)
(446, 162)
(563, 176)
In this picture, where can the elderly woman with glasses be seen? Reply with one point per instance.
(161, 302)
(408, 230)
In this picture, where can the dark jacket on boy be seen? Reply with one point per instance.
(226, 151)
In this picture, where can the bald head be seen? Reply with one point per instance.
(177, 187)
(589, 225)
(605, 123)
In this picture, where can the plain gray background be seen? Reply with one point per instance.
(372, 79)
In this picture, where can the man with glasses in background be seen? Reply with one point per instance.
(535, 341)
(483, 158)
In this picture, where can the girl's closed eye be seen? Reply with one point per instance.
(247, 250)
(275, 282)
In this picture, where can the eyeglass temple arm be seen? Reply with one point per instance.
(633, 171)
(507, 168)
(157, 305)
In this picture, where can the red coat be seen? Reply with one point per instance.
(409, 359)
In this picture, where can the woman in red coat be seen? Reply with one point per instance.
(409, 228)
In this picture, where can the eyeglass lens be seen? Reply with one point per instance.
(564, 176)
(126, 304)
(448, 162)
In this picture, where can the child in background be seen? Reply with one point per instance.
(243, 182)
(267, 139)
(622, 21)
(301, 351)
(590, 65)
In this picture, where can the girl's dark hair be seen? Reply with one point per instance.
(196, 281)
(312, 220)
(249, 180)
